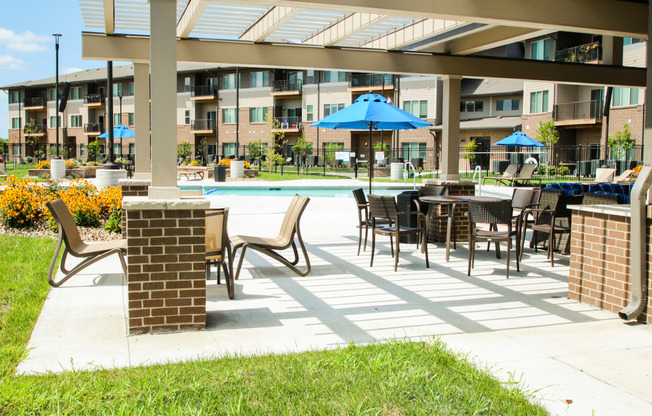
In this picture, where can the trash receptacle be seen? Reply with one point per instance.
(405, 202)
(220, 173)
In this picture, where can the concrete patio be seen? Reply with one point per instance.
(575, 358)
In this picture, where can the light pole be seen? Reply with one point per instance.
(120, 98)
(56, 110)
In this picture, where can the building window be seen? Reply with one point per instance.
(229, 115)
(53, 122)
(508, 105)
(186, 84)
(624, 96)
(228, 82)
(117, 90)
(471, 106)
(332, 109)
(334, 76)
(76, 93)
(131, 119)
(76, 121)
(259, 79)
(131, 88)
(416, 108)
(51, 94)
(15, 123)
(540, 50)
(228, 149)
(310, 76)
(117, 119)
(309, 113)
(629, 41)
(539, 102)
(14, 97)
(186, 117)
(81, 149)
(257, 114)
(413, 150)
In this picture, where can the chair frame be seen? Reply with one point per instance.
(525, 175)
(68, 236)
(363, 218)
(384, 207)
(222, 257)
(289, 235)
(510, 171)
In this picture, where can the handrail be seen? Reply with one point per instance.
(478, 170)
(414, 175)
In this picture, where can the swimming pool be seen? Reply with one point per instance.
(310, 191)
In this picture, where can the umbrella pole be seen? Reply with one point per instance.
(371, 160)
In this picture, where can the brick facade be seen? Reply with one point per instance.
(600, 261)
(437, 230)
(166, 260)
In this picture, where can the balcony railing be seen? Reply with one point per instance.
(35, 102)
(580, 110)
(204, 91)
(582, 53)
(286, 85)
(93, 127)
(371, 80)
(38, 128)
(207, 124)
(94, 99)
(289, 122)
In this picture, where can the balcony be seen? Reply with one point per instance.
(35, 103)
(93, 129)
(287, 88)
(289, 124)
(203, 126)
(578, 113)
(94, 100)
(203, 93)
(589, 52)
(35, 130)
(369, 82)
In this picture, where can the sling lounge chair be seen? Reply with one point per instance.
(289, 236)
(75, 246)
(508, 174)
(525, 175)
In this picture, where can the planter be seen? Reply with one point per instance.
(82, 171)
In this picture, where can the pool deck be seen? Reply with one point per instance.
(576, 359)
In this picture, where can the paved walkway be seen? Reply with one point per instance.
(575, 358)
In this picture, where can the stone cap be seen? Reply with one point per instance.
(143, 203)
(134, 182)
(447, 182)
(621, 210)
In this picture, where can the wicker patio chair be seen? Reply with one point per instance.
(218, 247)
(74, 245)
(364, 221)
(385, 207)
(495, 212)
(288, 236)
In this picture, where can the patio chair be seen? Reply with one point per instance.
(364, 221)
(626, 176)
(522, 199)
(524, 177)
(605, 176)
(382, 207)
(494, 212)
(547, 200)
(76, 247)
(547, 221)
(508, 174)
(218, 247)
(288, 236)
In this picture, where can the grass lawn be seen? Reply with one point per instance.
(19, 171)
(397, 378)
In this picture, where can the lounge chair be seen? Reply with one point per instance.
(524, 177)
(218, 247)
(626, 176)
(75, 246)
(286, 238)
(508, 174)
(606, 175)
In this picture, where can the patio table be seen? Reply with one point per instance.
(450, 201)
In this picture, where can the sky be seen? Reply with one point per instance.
(27, 49)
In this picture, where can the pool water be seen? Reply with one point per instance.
(310, 191)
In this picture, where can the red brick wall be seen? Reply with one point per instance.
(437, 230)
(600, 261)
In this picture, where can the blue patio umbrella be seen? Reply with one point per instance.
(518, 138)
(371, 112)
(119, 132)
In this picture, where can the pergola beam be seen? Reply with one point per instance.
(191, 15)
(109, 17)
(412, 34)
(609, 17)
(136, 49)
(490, 38)
(344, 29)
(268, 24)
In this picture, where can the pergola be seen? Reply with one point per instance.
(385, 36)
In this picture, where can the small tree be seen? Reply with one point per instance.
(469, 152)
(302, 149)
(384, 147)
(183, 150)
(621, 143)
(329, 153)
(548, 135)
(94, 150)
(277, 139)
(203, 149)
(257, 150)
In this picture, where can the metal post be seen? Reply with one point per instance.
(56, 110)
(121, 148)
(110, 164)
(237, 112)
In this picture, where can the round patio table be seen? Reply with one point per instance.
(450, 201)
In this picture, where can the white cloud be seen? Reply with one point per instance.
(23, 42)
(10, 62)
(70, 70)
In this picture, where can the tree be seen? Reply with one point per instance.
(469, 152)
(620, 143)
(183, 150)
(302, 149)
(203, 149)
(384, 147)
(277, 138)
(548, 135)
(31, 129)
(257, 150)
(329, 152)
(94, 150)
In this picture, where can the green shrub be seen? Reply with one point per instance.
(114, 223)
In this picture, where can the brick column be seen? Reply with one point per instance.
(437, 231)
(166, 258)
(132, 187)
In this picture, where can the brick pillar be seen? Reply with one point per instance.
(437, 231)
(166, 258)
(132, 187)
